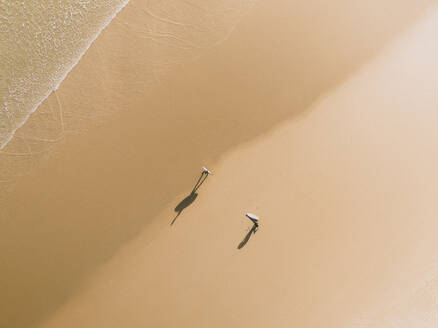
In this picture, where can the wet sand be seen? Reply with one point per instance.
(334, 151)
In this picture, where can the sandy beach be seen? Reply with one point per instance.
(320, 118)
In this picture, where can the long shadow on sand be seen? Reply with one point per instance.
(248, 236)
(190, 198)
(104, 192)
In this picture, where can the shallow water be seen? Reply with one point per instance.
(341, 190)
(43, 40)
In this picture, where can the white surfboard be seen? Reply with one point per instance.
(205, 170)
(252, 216)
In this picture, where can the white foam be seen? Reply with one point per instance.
(75, 62)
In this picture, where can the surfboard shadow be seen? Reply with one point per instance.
(183, 204)
(186, 202)
(247, 237)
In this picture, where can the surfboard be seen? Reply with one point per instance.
(252, 216)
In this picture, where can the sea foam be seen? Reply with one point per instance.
(42, 43)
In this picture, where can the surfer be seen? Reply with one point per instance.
(204, 175)
(206, 171)
(254, 219)
(193, 194)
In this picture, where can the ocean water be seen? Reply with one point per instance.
(42, 40)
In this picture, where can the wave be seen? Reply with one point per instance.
(36, 34)
(9, 135)
(42, 44)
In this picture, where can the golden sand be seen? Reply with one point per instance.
(344, 184)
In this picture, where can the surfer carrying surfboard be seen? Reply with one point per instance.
(254, 219)
(206, 171)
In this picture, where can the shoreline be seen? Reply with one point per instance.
(68, 70)
(328, 157)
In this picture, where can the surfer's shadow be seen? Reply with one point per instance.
(245, 240)
(188, 200)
